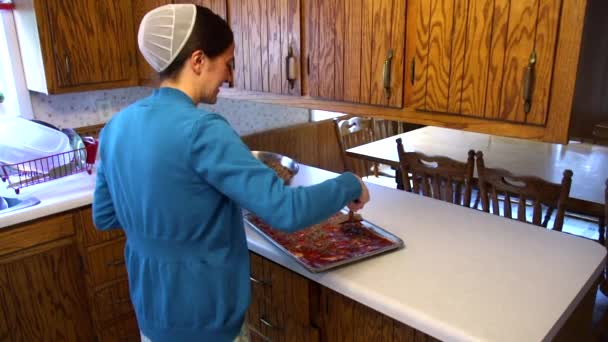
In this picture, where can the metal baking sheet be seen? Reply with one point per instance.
(397, 243)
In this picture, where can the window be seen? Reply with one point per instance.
(12, 80)
(319, 115)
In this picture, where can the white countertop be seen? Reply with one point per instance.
(464, 275)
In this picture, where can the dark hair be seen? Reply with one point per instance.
(210, 33)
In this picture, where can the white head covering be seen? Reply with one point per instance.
(163, 32)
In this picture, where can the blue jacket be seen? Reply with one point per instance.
(175, 178)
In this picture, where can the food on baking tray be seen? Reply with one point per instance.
(327, 242)
(281, 170)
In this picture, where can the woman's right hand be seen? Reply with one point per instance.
(360, 202)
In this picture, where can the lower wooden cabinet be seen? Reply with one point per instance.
(286, 306)
(43, 295)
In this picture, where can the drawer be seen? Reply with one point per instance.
(112, 302)
(125, 330)
(36, 232)
(90, 234)
(284, 289)
(266, 323)
(106, 262)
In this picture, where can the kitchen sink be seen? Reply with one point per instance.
(8, 204)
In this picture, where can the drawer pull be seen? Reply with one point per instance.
(258, 281)
(115, 263)
(268, 324)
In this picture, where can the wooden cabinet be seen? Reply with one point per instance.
(266, 32)
(355, 50)
(75, 46)
(42, 290)
(283, 303)
(107, 285)
(486, 58)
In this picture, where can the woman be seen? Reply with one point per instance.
(175, 178)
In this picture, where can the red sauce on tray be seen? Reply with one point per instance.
(327, 242)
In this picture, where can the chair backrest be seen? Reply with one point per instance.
(352, 132)
(435, 176)
(494, 183)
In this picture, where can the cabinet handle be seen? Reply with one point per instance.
(386, 74)
(413, 71)
(68, 69)
(308, 65)
(529, 82)
(115, 262)
(268, 324)
(290, 68)
(258, 281)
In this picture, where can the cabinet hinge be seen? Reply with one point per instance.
(307, 65)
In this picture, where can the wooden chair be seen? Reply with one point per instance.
(437, 177)
(537, 191)
(356, 131)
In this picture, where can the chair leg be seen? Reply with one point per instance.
(601, 228)
(548, 216)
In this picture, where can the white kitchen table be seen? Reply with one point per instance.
(525, 157)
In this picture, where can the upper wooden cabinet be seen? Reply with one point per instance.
(355, 50)
(486, 58)
(266, 33)
(76, 45)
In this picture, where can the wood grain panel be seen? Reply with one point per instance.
(106, 262)
(140, 8)
(274, 46)
(352, 50)
(460, 45)
(327, 49)
(546, 35)
(286, 329)
(112, 302)
(291, 38)
(367, 38)
(80, 34)
(313, 46)
(264, 38)
(340, 68)
(567, 55)
(500, 23)
(288, 292)
(477, 57)
(398, 45)
(439, 55)
(255, 52)
(89, 235)
(520, 44)
(44, 296)
(422, 54)
(240, 50)
(382, 12)
(125, 330)
(36, 232)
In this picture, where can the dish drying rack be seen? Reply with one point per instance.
(27, 173)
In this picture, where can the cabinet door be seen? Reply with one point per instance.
(43, 295)
(486, 58)
(349, 45)
(92, 41)
(266, 32)
(145, 73)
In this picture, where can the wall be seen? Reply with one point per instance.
(95, 107)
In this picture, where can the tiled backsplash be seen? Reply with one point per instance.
(95, 107)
